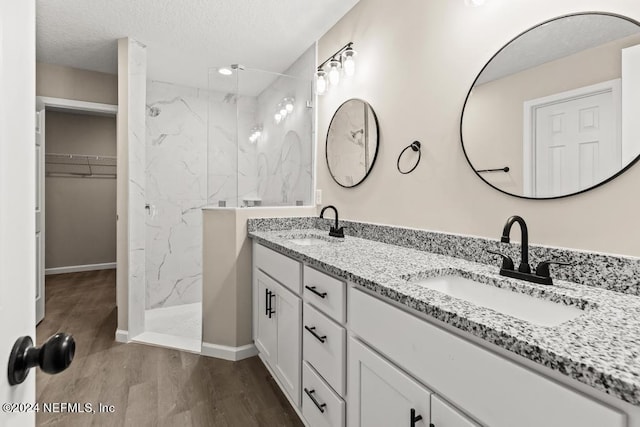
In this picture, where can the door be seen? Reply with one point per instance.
(39, 159)
(266, 328)
(381, 394)
(576, 139)
(288, 314)
(444, 415)
(17, 195)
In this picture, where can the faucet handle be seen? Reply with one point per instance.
(543, 268)
(336, 232)
(507, 262)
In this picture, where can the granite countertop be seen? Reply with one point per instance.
(600, 348)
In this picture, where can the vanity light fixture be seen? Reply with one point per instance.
(256, 131)
(283, 110)
(288, 104)
(321, 82)
(348, 63)
(342, 60)
(334, 72)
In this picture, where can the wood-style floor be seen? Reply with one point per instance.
(148, 386)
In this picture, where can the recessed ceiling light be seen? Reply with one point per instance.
(225, 71)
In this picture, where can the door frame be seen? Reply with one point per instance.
(529, 123)
(67, 106)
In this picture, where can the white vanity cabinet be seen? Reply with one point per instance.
(346, 357)
(324, 349)
(382, 395)
(277, 317)
(496, 391)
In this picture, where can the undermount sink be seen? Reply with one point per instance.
(525, 307)
(309, 239)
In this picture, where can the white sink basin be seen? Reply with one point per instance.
(531, 309)
(309, 241)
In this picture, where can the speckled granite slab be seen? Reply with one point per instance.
(600, 348)
(618, 273)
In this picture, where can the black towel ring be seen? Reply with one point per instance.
(415, 146)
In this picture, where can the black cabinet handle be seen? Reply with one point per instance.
(415, 418)
(271, 311)
(313, 289)
(55, 355)
(266, 301)
(312, 330)
(319, 405)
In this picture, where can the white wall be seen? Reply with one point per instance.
(415, 65)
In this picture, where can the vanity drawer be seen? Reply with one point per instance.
(494, 390)
(324, 347)
(280, 267)
(328, 410)
(324, 292)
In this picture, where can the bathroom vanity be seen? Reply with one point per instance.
(355, 336)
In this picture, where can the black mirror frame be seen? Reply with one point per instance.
(375, 156)
(620, 172)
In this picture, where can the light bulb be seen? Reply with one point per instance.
(348, 63)
(257, 134)
(334, 72)
(278, 117)
(289, 105)
(225, 71)
(321, 82)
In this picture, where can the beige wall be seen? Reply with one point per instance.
(80, 213)
(415, 65)
(226, 276)
(493, 122)
(72, 83)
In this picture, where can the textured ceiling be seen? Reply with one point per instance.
(183, 37)
(555, 40)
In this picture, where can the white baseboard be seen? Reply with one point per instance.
(122, 336)
(229, 353)
(77, 268)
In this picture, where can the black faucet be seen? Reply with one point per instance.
(333, 231)
(524, 258)
(541, 275)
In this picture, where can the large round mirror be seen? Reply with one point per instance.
(557, 110)
(352, 142)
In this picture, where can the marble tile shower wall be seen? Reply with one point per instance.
(612, 272)
(176, 190)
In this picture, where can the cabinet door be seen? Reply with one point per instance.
(266, 326)
(382, 395)
(288, 315)
(444, 415)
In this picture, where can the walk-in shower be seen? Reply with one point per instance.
(246, 140)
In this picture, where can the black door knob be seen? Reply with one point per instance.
(53, 357)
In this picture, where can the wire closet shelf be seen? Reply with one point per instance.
(80, 166)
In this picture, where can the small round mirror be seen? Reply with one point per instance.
(352, 142)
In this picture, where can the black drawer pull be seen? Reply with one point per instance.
(266, 301)
(312, 330)
(319, 405)
(271, 311)
(415, 418)
(313, 289)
